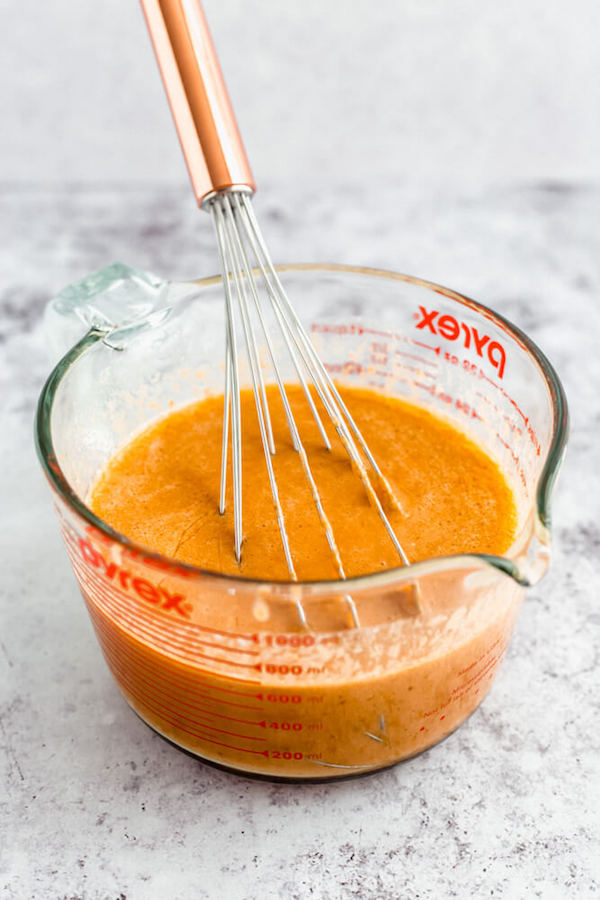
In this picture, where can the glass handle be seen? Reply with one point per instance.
(108, 300)
(535, 560)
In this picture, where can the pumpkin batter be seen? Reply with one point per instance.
(162, 491)
(326, 692)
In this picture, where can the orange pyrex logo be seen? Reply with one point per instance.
(452, 329)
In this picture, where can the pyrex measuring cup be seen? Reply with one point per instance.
(222, 666)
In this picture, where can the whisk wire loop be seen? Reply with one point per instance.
(239, 238)
(223, 183)
(256, 243)
(231, 365)
(328, 393)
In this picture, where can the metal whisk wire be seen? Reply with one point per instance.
(244, 260)
(223, 184)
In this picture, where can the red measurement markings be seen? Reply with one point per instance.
(489, 402)
(209, 740)
(425, 387)
(144, 590)
(239, 749)
(121, 614)
(511, 424)
(467, 409)
(378, 347)
(227, 648)
(352, 328)
(326, 328)
(435, 350)
(385, 373)
(135, 661)
(289, 669)
(376, 333)
(108, 599)
(152, 702)
(349, 367)
(170, 716)
(230, 691)
(201, 711)
(183, 648)
(193, 732)
(418, 371)
(515, 458)
(425, 362)
(73, 541)
(480, 658)
(182, 680)
(289, 640)
(460, 692)
(284, 698)
(289, 726)
(452, 329)
(285, 754)
(530, 431)
(433, 390)
(103, 595)
(156, 689)
(147, 688)
(296, 640)
(490, 659)
(472, 369)
(460, 404)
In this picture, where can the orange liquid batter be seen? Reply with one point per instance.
(161, 490)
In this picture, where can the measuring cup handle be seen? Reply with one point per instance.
(114, 297)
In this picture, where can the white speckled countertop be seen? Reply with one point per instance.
(95, 806)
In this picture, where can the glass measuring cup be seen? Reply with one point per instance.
(221, 665)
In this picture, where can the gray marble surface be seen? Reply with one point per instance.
(93, 804)
(399, 87)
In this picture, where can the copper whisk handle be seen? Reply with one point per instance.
(198, 98)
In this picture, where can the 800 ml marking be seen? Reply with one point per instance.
(283, 669)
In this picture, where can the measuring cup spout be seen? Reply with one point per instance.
(114, 300)
(534, 564)
(529, 559)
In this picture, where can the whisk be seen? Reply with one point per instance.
(223, 185)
